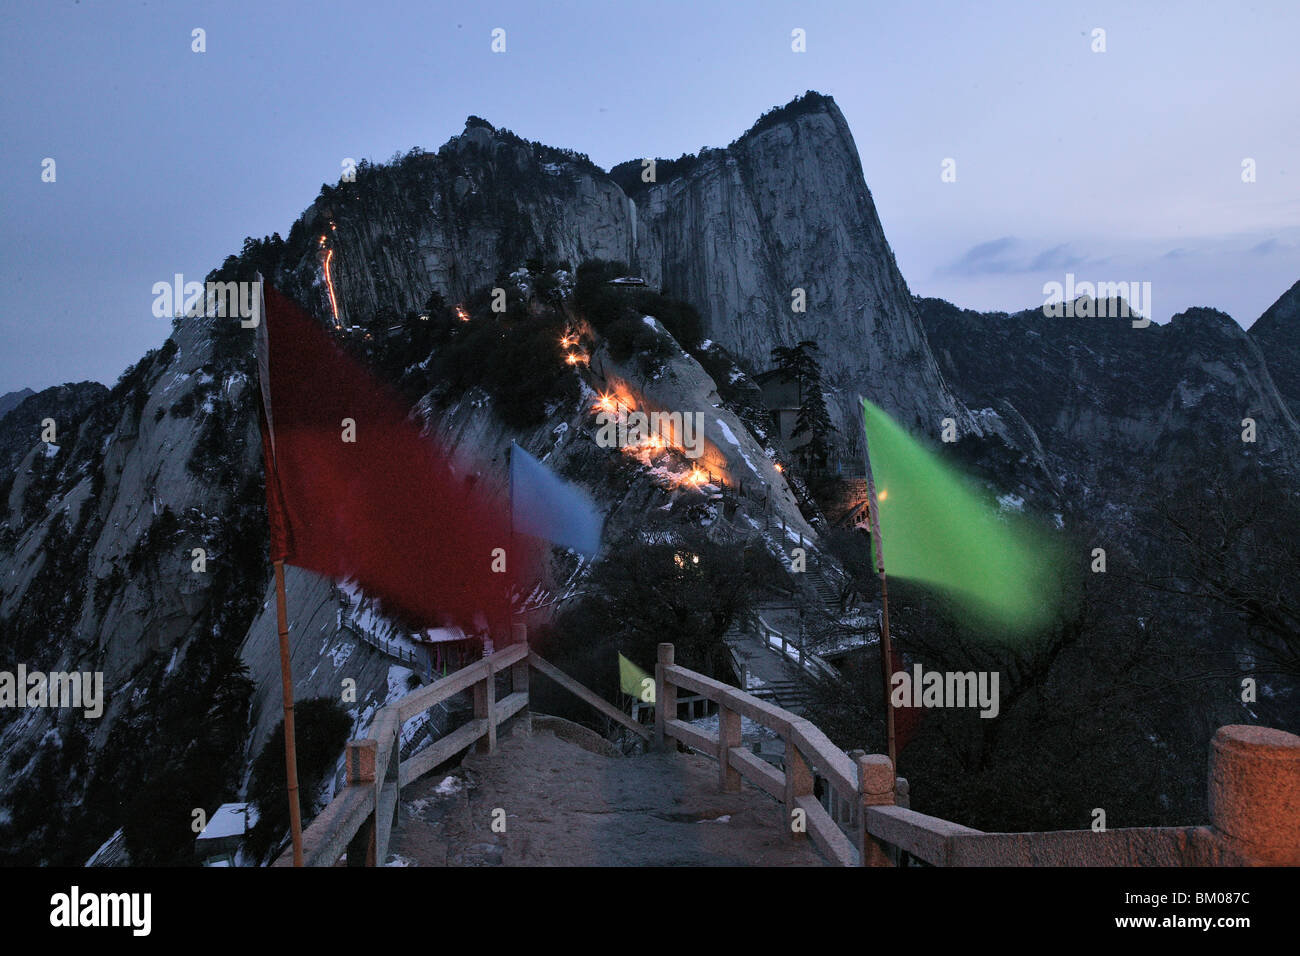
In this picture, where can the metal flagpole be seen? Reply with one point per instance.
(281, 612)
(886, 652)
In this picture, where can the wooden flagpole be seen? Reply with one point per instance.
(281, 611)
(886, 652)
(511, 583)
(290, 740)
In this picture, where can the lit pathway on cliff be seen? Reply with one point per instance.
(329, 281)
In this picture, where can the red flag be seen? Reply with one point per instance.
(385, 508)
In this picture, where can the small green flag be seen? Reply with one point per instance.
(635, 682)
(937, 529)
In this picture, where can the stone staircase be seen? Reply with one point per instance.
(827, 592)
(791, 695)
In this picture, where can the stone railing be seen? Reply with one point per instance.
(808, 752)
(862, 817)
(359, 820)
(1254, 791)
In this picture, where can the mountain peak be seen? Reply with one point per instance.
(12, 400)
(1207, 319)
(809, 102)
(1282, 315)
(1277, 333)
(628, 174)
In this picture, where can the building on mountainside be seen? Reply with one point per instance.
(448, 649)
(220, 839)
(783, 397)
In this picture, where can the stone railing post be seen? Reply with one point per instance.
(359, 762)
(485, 708)
(798, 783)
(728, 737)
(876, 784)
(1255, 794)
(519, 679)
(665, 696)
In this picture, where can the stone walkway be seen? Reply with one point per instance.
(570, 800)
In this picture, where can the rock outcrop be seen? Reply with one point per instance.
(11, 400)
(451, 221)
(1277, 333)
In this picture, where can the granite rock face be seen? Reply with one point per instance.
(123, 510)
(1277, 333)
(786, 207)
(451, 221)
(734, 232)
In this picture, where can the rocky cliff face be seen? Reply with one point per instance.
(135, 462)
(1277, 333)
(451, 221)
(98, 557)
(23, 418)
(734, 231)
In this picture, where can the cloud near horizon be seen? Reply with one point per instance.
(1240, 274)
(1009, 255)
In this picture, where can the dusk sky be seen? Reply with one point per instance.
(1120, 165)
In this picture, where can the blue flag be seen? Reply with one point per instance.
(547, 507)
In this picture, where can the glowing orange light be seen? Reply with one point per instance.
(605, 403)
(779, 467)
(883, 495)
(462, 314)
(696, 477)
(329, 281)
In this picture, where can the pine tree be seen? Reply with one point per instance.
(813, 419)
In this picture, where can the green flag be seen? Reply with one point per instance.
(938, 530)
(635, 682)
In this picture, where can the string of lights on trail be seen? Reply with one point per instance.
(648, 448)
(326, 258)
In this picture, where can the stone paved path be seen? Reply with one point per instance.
(566, 805)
